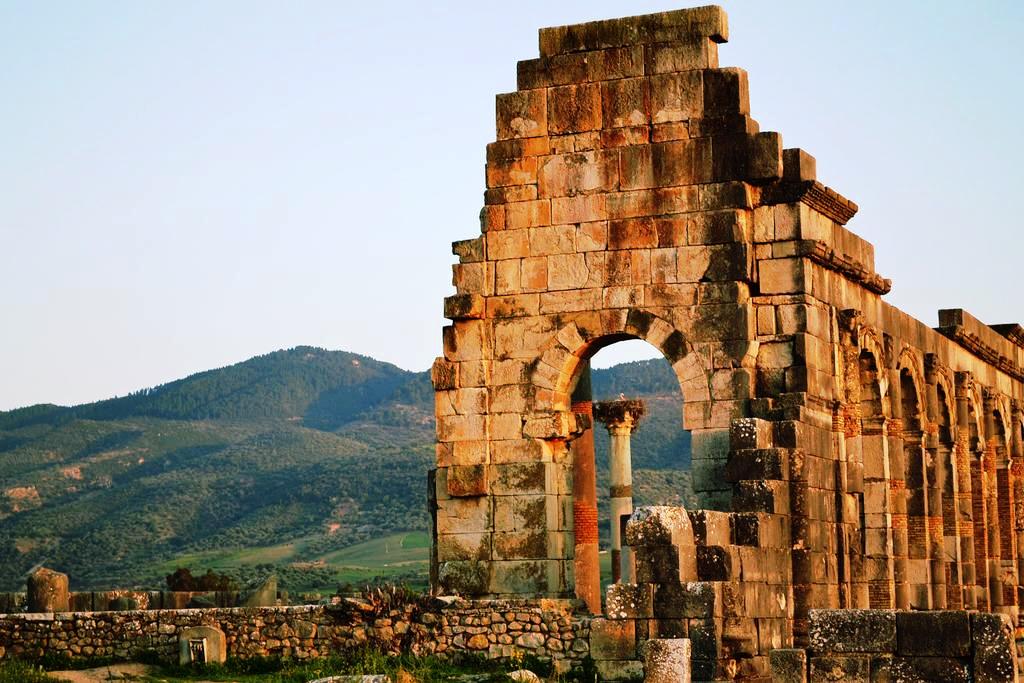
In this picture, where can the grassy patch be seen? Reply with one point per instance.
(15, 671)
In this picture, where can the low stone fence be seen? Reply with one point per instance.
(886, 645)
(494, 629)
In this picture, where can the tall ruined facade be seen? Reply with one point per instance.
(846, 455)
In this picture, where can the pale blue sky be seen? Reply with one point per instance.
(187, 184)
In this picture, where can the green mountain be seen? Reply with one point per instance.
(305, 460)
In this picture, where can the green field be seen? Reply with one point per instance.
(395, 557)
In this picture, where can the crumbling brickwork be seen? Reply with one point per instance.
(847, 455)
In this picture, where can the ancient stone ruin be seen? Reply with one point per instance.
(847, 456)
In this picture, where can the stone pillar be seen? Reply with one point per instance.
(621, 418)
(48, 591)
(995, 587)
(965, 498)
(587, 566)
(1017, 471)
(898, 488)
(935, 473)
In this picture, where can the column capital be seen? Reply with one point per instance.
(621, 416)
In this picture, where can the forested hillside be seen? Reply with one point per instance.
(287, 459)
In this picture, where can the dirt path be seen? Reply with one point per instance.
(114, 672)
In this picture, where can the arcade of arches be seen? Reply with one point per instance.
(845, 454)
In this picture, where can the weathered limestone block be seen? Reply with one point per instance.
(612, 639)
(48, 591)
(464, 515)
(207, 641)
(464, 306)
(659, 525)
(944, 669)
(933, 634)
(630, 601)
(466, 480)
(522, 114)
(691, 600)
(760, 463)
(619, 669)
(714, 563)
(667, 660)
(994, 648)
(444, 374)
(470, 546)
(851, 668)
(467, 577)
(530, 577)
(788, 665)
(854, 630)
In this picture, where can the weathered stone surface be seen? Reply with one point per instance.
(935, 634)
(788, 665)
(630, 601)
(667, 660)
(612, 639)
(994, 649)
(847, 668)
(944, 669)
(852, 630)
(659, 525)
(47, 591)
(620, 670)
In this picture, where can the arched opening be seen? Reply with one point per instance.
(876, 540)
(916, 489)
(636, 452)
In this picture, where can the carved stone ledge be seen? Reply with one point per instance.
(1012, 331)
(819, 252)
(815, 195)
(975, 345)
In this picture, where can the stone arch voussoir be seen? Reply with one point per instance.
(554, 369)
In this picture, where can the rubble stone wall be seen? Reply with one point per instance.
(495, 629)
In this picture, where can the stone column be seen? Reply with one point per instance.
(587, 565)
(1017, 472)
(995, 586)
(621, 418)
(965, 496)
(935, 472)
(898, 488)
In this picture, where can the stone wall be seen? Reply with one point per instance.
(631, 195)
(884, 645)
(495, 629)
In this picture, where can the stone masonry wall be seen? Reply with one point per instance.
(630, 195)
(885, 645)
(495, 629)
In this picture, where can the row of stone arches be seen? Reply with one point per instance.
(936, 451)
